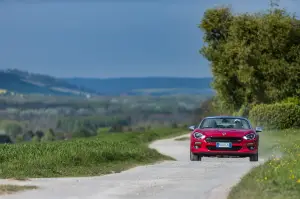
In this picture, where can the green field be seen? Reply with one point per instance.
(277, 178)
(107, 153)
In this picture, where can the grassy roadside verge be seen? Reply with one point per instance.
(277, 178)
(8, 189)
(107, 153)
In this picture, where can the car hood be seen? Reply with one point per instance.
(220, 132)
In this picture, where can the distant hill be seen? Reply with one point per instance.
(156, 86)
(17, 81)
(13, 80)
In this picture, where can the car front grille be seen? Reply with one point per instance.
(224, 139)
(214, 148)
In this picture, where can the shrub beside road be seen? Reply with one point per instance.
(276, 116)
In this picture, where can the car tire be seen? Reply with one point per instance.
(254, 158)
(194, 157)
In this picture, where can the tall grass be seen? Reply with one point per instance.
(278, 178)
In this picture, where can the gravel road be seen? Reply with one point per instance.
(182, 179)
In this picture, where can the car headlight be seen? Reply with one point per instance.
(198, 135)
(250, 136)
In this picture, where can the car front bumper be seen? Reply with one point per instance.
(243, 148)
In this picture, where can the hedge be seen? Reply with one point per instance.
(276, 116)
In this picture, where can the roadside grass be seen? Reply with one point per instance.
(8, 189)
(277, 178)
(106, 153)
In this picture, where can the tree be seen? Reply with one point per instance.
(255, 58)
(12, 128)
(19, 138)
(39, 134)
(51, 132)
(174, 125)
(35, 139)
(116, 128)
(49, 136)
(208, 107)
(82, 132)
(27, 136)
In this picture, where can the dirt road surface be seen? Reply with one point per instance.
(211, 178)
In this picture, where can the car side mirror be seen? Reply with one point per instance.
(258, 129)
(192, 128)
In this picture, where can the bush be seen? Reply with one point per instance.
(276, 116)
(292, 100)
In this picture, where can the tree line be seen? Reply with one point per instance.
(40, 118)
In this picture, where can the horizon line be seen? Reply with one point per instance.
(135, 77)
(103, 78)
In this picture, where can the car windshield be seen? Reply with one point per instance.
(228, 123)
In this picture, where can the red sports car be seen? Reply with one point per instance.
(224, 136)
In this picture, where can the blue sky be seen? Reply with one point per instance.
(110, 38)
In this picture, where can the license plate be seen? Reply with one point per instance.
(223, 144)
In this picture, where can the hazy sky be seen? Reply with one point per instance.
(110, 38)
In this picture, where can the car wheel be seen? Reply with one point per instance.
(194, 157)
(254, 158)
